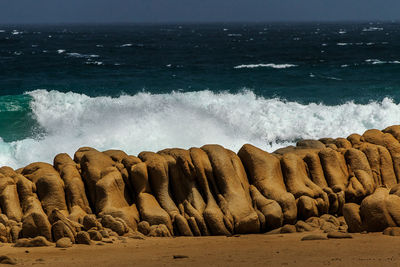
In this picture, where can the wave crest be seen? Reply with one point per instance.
(269, 65)
(152, 122)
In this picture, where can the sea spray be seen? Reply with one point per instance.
(146, 121)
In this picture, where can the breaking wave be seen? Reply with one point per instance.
(146, 121)
(269, 65)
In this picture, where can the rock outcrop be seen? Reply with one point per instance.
(206, 191)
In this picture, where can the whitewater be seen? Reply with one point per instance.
(151, 122)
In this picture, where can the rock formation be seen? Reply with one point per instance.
(207, 191)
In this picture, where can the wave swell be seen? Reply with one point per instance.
(152, 122)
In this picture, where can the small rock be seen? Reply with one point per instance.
(339, 235)
(288, 228)
(95, 235)
(393, 231)
(104, 233)
(108, 241)
(64, 242)
(144, 227)
(14, 233)
(116, 224)
(180, 256)
(83, 237)
(329, 227)
(302, 226)
(160, 230)
(100, 244)
(38, 241)
(136, 235)
(314, 237)
(89, 221)
(3, 230)
(112, 233)
(315, 222)
(4, 219)
(7, 260)
(330, 218)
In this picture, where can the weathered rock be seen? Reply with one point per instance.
(288, 228)
(219, 222)
(185, 189)
(149, 208)
(302, 226)
(83, 237)
(64, 242)
(49, 185)
(34, 221)
(208, 190)
(351, 213)
(229, 180)
(76, 199)
(104, 233)
(144, 227)
(106, 187)
(159, 231)
(264, 172)
(136, 235)
(380, 210)
(393, 231)
(95, 235)
(329, 227)
(308, 143)
(38, 241)
(90, 221)
(311, 199)
(4, 259)
(9, 200)
(115, 224)
(157, 169)
(14, 233)
(61, 230)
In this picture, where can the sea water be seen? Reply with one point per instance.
(149, 87)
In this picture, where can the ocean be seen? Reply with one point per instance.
(152, 86)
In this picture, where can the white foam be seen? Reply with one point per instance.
(152, 122)
(372, 29)
(78, 55)
(269, 65)
(126, 45)
(60, 51)
(377, 61)
(96, 63)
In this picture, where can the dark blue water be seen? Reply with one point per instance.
(309, 67)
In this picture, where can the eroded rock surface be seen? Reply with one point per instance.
(207, 191)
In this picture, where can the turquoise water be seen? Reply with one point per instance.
(147, 87)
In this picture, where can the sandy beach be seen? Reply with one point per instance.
(245, 250)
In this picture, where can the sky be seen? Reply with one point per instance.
(159, 11)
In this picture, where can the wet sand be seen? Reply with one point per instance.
(246, 250)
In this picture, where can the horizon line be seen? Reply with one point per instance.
(198, 22)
